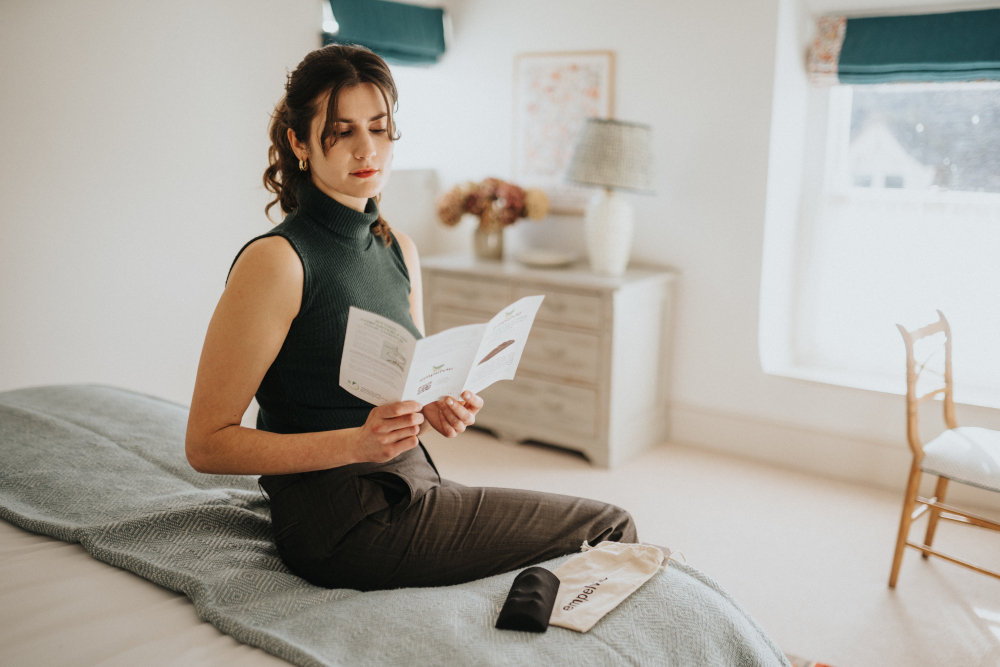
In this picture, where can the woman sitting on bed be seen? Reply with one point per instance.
(356, 501)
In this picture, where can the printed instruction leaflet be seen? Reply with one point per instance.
(384, 363)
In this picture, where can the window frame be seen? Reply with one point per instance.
(784, 342)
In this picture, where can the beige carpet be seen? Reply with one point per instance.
(808, 557)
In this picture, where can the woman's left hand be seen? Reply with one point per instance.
(450, 417)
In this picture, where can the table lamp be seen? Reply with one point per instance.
(614, 155)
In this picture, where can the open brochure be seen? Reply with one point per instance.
(384, 363)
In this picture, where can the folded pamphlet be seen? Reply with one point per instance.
(383, 362)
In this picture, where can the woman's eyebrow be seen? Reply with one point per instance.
(349, 121)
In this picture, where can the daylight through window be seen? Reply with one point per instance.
(902, 217)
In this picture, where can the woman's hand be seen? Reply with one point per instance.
(390, 430)
(450, 417)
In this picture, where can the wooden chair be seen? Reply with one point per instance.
(967, 454)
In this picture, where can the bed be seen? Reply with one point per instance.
(94, 476)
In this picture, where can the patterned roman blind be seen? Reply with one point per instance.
(954, 46)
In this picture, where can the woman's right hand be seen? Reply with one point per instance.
(390, 430)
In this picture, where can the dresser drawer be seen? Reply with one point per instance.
(488, 296)
(548, 410)
(566, 355)
(565, 308)
(591, 335)
(560, 354)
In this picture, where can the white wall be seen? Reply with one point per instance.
(134, 141)
(134, 138)
(702, 77)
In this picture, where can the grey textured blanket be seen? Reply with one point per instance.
(105, 467)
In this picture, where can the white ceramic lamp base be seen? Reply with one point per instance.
(609, 233)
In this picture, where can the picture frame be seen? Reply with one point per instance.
(554, 94)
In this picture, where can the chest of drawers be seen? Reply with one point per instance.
(594, 376)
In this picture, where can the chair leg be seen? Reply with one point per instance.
(939, 493)
(909, 503)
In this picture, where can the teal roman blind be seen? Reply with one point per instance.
(954, 46)
(401, 33)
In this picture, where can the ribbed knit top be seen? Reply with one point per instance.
(344, 265)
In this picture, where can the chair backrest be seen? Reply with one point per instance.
(928, 375)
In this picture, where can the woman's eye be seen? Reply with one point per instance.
(378, 130)
(344, 133)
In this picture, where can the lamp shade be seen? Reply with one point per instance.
(614, 154)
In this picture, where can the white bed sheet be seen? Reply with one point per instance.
(59, 606)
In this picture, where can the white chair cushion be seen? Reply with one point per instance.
(968, 454)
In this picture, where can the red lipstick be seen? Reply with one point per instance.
(364, 173)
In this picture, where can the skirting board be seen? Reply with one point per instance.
(824, 453)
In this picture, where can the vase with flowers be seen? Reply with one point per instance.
(497, 204)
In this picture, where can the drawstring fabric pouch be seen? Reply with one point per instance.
(598, 579)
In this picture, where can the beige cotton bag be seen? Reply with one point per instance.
(595, 581)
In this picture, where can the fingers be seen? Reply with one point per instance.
(457, 415)
(450, 416)
(390, 430)
(398, 408)
(473, 402)
(392, 416)
(394, 426)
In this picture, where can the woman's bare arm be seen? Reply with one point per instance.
(412, 260)
(262, 297)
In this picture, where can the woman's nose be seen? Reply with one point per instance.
(365, 148)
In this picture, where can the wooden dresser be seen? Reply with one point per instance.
(595, 373)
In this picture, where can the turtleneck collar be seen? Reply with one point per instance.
(351, 225)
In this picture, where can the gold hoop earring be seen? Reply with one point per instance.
(303, 165)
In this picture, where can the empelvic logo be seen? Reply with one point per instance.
(584, 595)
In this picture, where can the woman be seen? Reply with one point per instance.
(355, 500)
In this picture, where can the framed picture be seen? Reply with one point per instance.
(555, 93)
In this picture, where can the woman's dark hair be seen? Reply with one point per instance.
(324, 71)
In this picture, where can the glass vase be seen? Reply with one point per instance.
(488, 243)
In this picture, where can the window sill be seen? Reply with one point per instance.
(982, 397)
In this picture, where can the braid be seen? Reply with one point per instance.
(381, 228)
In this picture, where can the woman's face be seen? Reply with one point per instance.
(358, 156)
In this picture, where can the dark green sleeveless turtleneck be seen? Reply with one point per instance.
(345, 265)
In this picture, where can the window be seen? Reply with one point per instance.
(922, 138)
(899, 216)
